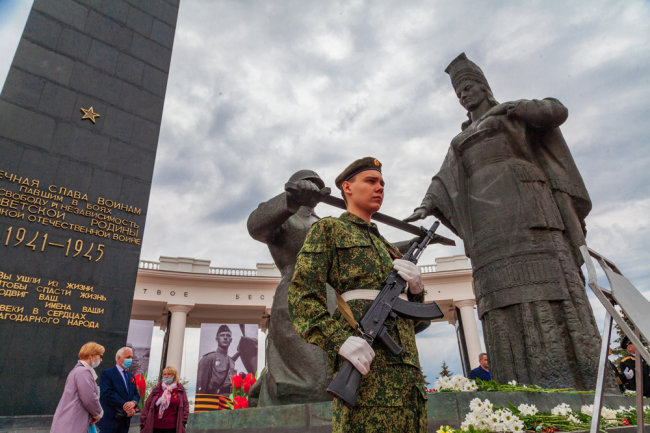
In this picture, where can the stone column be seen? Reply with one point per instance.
(470, 329)
(261, 348)
(177, 334)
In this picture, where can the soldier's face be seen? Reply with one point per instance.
(365, 191)
(224, 339)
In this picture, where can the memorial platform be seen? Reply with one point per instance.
(444, 408)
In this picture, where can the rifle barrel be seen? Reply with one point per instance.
(390, 221)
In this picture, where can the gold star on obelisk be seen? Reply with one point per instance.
(89, 114)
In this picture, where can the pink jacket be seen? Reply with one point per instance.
(150, 411)
(79, 402)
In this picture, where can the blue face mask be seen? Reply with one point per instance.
(128, 362)
(168, 380)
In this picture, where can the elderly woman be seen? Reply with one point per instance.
(510, 189)
(167, 407)
(79, 406)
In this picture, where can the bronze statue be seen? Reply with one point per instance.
(510, 189)
(296, 372)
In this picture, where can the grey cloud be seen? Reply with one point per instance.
(387, 95)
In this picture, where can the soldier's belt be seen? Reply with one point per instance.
(365, 294)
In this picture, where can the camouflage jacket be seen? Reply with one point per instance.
(349, 254)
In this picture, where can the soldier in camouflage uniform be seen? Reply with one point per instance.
(349, 254)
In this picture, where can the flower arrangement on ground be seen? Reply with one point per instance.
(513, 386)
(485, 417)
(455, 383)
(463, 384)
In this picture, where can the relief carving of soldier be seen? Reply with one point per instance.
(510, 189)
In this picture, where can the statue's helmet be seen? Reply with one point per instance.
(462, 68)
(307, 175)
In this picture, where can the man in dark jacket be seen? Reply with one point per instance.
(483, 370)
(118, 394)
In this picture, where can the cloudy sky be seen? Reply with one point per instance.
(260, 89)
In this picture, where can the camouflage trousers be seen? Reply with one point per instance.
(411, 417)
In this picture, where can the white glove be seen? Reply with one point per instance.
(358, 352)
(411, 274)
(629, 374)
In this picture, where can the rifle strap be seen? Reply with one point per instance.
(344, 308)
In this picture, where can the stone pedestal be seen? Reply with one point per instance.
(444, 408)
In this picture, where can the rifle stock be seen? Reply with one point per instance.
(345, 384)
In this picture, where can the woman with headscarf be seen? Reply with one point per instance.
(79, 406)
(167, 407)
(510, 189)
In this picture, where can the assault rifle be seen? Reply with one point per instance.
(345, 385)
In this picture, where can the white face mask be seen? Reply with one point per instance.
(96, 363)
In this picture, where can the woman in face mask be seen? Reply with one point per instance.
(166, 408)
(79, 406)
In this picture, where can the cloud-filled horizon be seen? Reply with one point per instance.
(258, 90)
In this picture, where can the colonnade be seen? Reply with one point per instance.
(178, 292)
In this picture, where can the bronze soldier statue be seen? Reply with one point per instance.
(296, 372)
(510, 189)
